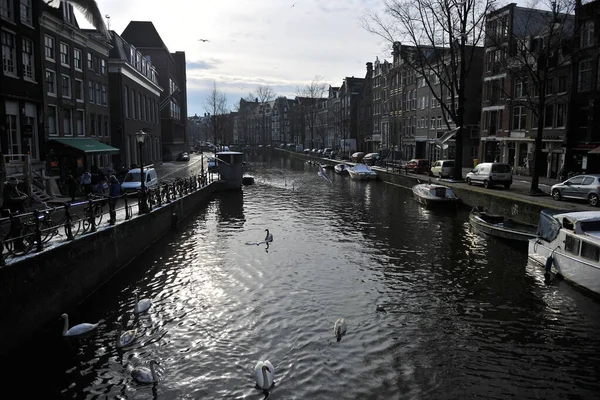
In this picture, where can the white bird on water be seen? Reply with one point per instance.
(323, 174)
(125, 338)
(339, 328)
(141, 306)
(145, 374)
(268, 237)
(265, 373)
(89, 9)
(76, 330)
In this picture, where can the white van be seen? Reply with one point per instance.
(132, 183)
(442, 168)
(490, 174)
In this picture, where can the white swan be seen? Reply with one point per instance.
(77, 329)
(265, 373)
(269, 237)
(141, 306)
(145, 374)
(125, 338)
(339, 328)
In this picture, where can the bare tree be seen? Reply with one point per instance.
(215, 105)
(264, 94)
(314, 90)
(443, 37)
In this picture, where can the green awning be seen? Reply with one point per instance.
(88, 146)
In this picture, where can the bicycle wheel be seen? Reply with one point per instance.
(99, 214)
(49, 229)
(23, 244)
(75, 225)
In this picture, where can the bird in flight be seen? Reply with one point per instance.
(89, 9)
(203, 40)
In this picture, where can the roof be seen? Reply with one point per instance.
(143, 34)
(88, 146)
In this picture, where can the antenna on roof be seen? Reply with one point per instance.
(107, 21)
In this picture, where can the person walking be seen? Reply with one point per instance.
(114, 193)
(86, 182)
(71, 187)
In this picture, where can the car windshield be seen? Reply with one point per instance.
(132, 177)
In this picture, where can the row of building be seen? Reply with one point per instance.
(393, 109)
(72, 98)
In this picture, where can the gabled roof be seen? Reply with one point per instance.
(143, 34)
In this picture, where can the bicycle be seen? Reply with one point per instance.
(48, 223)
(96, 209)
(20, 237)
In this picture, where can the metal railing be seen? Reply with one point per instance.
(32, 232)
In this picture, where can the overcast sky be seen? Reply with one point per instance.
(280, 43)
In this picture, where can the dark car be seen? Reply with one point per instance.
(212, 165)
(371, 158)
(417, 166)
(183, 157)
(358, 156)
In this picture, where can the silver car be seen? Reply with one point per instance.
(580, 187)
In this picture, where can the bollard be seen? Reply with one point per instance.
(127, 213)
(68, 222)
(38, 231)
(92, 216)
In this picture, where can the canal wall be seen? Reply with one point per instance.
(520, 207)
(36, 290)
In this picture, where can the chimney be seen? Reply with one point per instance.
(369, 67)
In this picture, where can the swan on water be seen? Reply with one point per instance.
(76, 330)
(145, 374)
(141, 306)
(89, 9)
(125, 338)
(339, 328)
(268, 237)
(265, 373)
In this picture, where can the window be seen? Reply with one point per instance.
(138, 111)
(519, 118)
(439, 122)
(51, 82)
(584, 77)
(106, 126)
(587, 34)
(68, 13)
(590, 251)
(79, 90)
(104, 95)
(91, 91)
(103, 67)
(28, 59)
(52, 119)
(90, 58)
(64, 53)
(9, 54)
(79, 123)
(432, 126)
(6, 9)
(26, 12)
(49, 47)
(67, 122)
(143, 107)
(66, 86)
(99, 130)
(560, 115)
(126, 102)
(98, 94)
(92, 125)
(520, 87)
(549, 116)
(572, 244)
(12, 128)
(562, 84)
(77, 59)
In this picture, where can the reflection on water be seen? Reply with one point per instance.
(432, 309)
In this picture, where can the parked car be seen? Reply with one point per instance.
(357, 157)
(327, 152)
(371, 158)
(213, 166)
(132, 182)
(580, 187)
(442, 168)
(417, 166)
(490, 174)
(183, 157)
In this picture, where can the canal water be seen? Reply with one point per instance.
(433, 310)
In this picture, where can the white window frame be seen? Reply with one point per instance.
(77, 62)
(8, 50)
(62, 87)
(55, 115)
(26, 13)
(587, 34)
(90, 88)
(67, 124)
(54, 87)
(6, 10)
(64, 57)
(79, 94)
(49, 47)
(522, 113)
(28, 59)
(76, 131)
(580, 71)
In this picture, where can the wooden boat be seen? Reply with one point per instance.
(247, 180)
(499, 226)
(430, 194)
(568, 243)
(361, 172)
(341, 169)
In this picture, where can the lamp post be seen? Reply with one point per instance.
(140, 136)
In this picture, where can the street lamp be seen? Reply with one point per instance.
(140, 136)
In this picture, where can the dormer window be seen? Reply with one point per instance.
(67, 10)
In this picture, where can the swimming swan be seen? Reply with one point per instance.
(145, 374)
(125, 338)
(339, 328)
(77, 329)
(269, 237)
(141, 306)
(265, 373)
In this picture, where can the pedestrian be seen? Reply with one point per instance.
(86, 182)
(114, 193)
(14, 199)
(71, 187)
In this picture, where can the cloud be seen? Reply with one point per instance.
(206, 64)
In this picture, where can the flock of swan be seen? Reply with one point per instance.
(124, 338)
(263, 371)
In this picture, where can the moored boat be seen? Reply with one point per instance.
(247, 180)
(568, 243)
(341, 169)
(433, 194)
(499, 226)
(361, 172)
